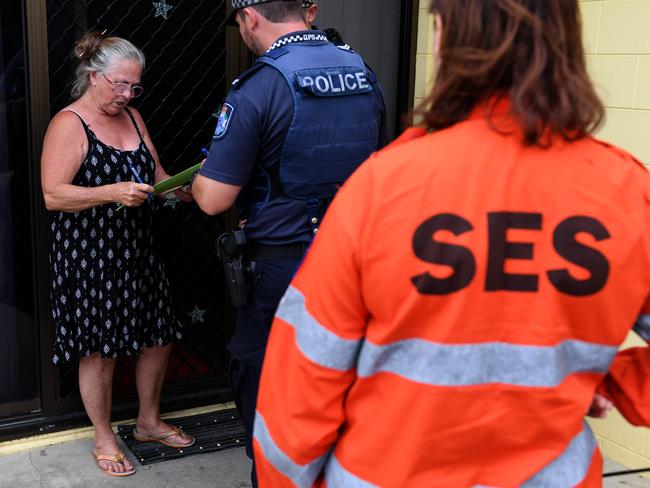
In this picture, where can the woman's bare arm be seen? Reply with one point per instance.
(64, 149)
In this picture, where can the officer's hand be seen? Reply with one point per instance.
(185, 194)
(599, 407)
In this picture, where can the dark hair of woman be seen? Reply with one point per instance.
(529, 51)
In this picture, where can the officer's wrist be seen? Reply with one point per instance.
(189, 186)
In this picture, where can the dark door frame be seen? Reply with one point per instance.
(239, 57)
(406, 66)
(39, 116)
(50, 413)
(35, 42)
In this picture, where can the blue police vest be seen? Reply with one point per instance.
(335, 125)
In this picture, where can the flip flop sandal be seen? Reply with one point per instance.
(117, 458)
(163, 438)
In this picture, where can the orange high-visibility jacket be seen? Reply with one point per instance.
(465, 297)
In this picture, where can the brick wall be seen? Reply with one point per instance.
(424, 70)
(617, 41)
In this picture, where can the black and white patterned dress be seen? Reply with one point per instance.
(109, 290)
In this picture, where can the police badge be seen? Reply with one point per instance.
(223, 120)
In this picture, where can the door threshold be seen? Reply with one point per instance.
(42, 440)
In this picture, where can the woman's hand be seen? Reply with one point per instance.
(131, 194)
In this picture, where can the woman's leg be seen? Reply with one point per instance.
(96, 387)
(150, 375)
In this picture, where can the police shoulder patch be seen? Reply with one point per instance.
(224, 116)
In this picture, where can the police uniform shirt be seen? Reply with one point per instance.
(247, 145)
(252, 125)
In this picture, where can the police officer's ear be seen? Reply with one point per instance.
(249, 17)
(310, 14)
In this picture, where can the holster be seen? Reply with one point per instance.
(231, 250)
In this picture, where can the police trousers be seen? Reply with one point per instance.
(253, 325)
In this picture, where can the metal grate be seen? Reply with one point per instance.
(214, 431)
(185, 45)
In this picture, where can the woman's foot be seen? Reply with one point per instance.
(164, 433)
(111, 459)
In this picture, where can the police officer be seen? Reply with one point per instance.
(289, 133)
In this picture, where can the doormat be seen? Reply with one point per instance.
(213, 431)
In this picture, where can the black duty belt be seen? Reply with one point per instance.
(262, 252)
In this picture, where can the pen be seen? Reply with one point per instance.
(139, 180)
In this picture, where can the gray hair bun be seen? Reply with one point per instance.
(88, 45)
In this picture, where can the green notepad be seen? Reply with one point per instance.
(176, 181)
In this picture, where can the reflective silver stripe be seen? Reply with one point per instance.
(571, 467)
(642, 327)
(320, 345)
(337, 476)
(300, 474)
(492, 362)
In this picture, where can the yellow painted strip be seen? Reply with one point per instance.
(25, 444)
(33, 442)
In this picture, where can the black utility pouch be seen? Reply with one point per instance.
(231, 250)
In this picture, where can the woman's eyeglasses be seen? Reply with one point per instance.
(120, 88)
